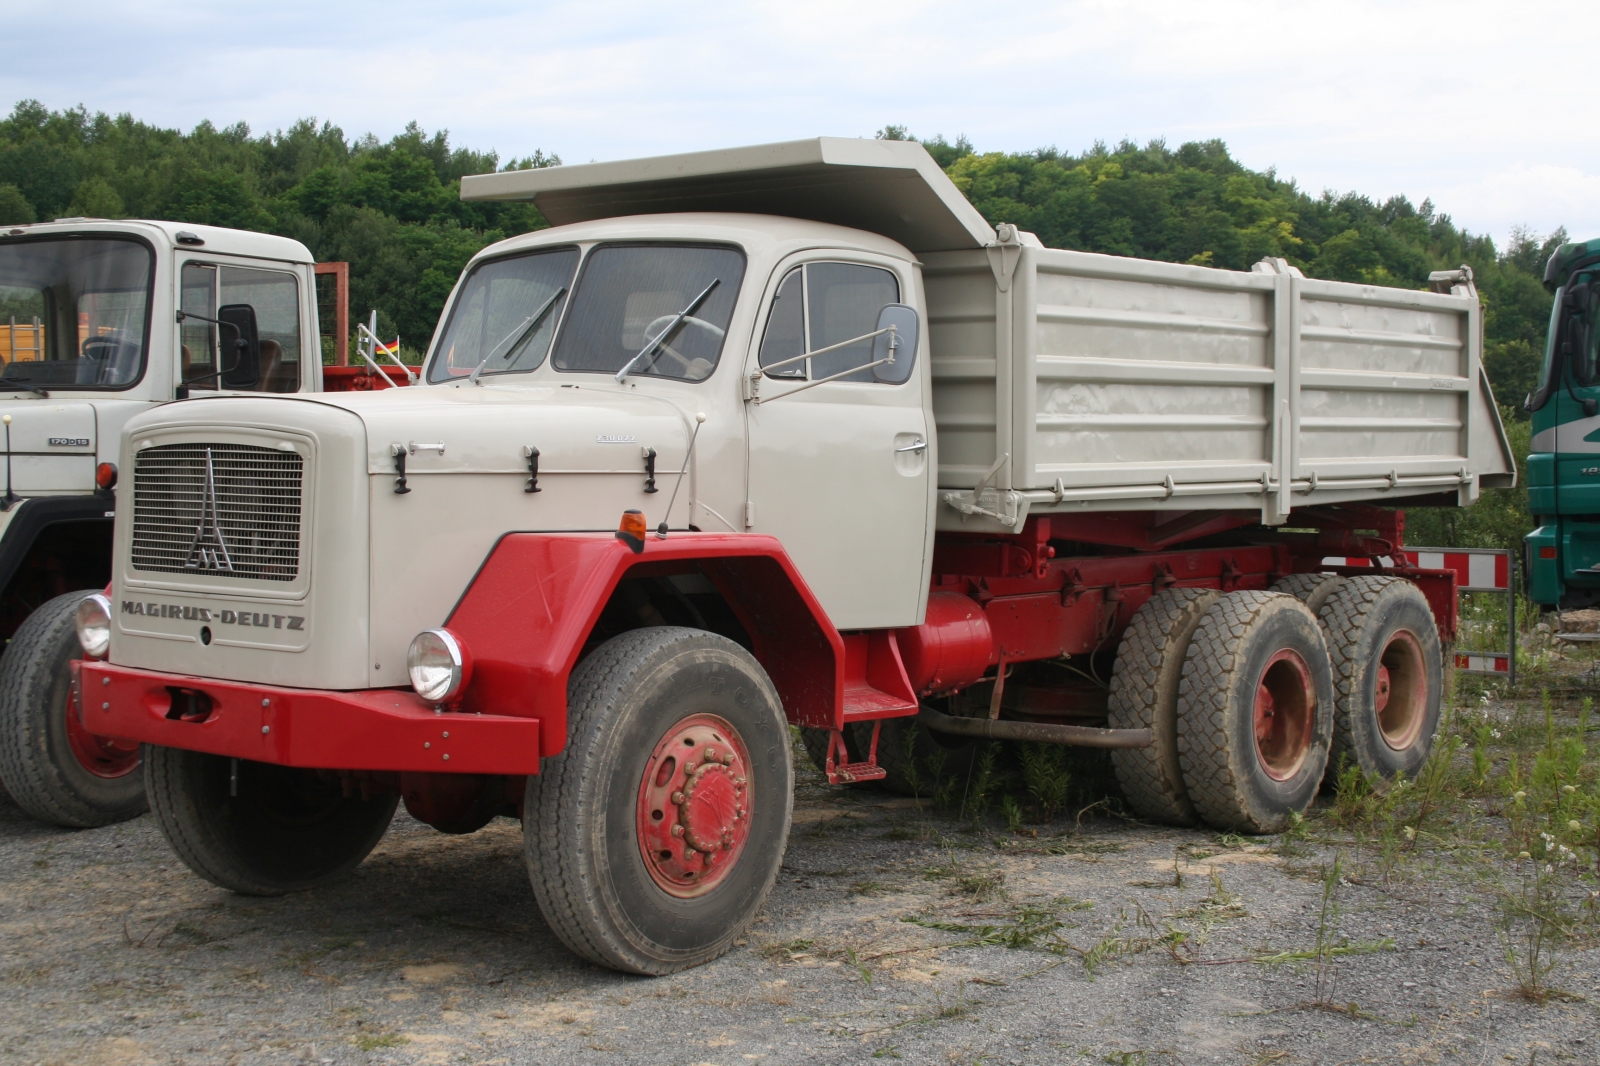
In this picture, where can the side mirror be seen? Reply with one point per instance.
(241, 346)
(905, 322)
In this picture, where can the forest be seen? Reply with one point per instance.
(392, 210)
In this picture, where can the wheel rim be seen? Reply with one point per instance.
(107, 757)
(1400, 690)
(694, 805)
(1286, 704)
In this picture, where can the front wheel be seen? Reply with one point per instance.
(54, 768)
(260, 829)
(653, 839)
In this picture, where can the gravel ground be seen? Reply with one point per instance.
(434, 952)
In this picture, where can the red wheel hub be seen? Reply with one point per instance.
(1400, 691)
(694, 805)
(1286, 705)
(108, 757)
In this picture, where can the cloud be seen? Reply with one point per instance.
(1458, 102)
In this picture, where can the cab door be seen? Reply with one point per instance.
(839, 471)
(244, 329)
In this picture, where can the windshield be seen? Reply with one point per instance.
(74, 312)
(647, 305)
(505, 317)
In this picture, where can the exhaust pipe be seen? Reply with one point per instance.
(1081, 736)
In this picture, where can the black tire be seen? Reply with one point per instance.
(285, 830)
(37, 760)
(1380, 629)
(582, 814)
(1144, 695)
(1233, 782)
(1312, 590)
(913, 759)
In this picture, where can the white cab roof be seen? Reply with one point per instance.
(892, 188)
(214, 238)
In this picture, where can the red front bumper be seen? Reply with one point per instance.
(376, 729)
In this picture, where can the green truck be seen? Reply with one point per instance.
(1563, 552)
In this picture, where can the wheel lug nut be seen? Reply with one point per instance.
(677, 797)
(727, 758)
(711, 754)
(677, 830)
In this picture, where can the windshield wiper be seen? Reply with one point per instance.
(655, 342)
(19, 386)
(524, 327)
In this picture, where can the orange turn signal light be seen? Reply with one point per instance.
(105, 476)
(631, 530)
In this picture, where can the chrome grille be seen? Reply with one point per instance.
(225, 509)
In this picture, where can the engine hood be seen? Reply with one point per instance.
(472, 430)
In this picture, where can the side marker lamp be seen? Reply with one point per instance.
(105, 476)
(94, 626)
(631, 530)
(438, 665)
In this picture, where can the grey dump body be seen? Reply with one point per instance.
(1071, 381)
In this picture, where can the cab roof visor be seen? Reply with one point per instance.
(892, 188)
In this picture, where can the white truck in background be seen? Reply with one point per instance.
(99, 321)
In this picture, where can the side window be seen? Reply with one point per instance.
(820, 305)
(242, 296)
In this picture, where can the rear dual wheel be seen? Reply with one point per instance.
(654, 837)
(1388, 674)
(1254, 712)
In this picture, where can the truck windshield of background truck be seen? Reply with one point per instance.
(629, 293)
(492, 320)
(74, 313)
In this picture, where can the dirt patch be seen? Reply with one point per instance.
(893, 933)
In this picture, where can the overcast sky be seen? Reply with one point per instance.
(1473, 105)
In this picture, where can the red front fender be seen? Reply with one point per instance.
(537, 597)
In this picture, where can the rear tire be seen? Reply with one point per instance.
(1144, 695)
(286, 830)
(1255, 712)
(619, 826)
(1312, 590)
(53, 767)
(1388, 673)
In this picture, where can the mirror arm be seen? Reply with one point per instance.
(829, 348)
(219, 369)
(822, 381)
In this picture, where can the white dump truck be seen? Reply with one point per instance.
(99, 321)
(785, 435)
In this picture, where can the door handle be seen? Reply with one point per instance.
(920, 445)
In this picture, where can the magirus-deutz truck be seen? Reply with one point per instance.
(778, 436)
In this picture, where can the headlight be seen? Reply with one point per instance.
(438, 664)
(94, 626)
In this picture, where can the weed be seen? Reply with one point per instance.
(891, 1052)
(1031, 925)
(1045, 775)
(1533, 924)
(373, 1043)
(1221, 905)
(981, 887)
(784, 949)
(868, 888)
(1012, 811)
(981, 783)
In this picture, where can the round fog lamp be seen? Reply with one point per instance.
(94, 626)
(438, 665)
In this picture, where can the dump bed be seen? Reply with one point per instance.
(1097, 382)
(1068, 381)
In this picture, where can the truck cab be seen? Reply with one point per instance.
(1563, 552)
(100, 321)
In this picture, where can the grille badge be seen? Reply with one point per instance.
(210, 557)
